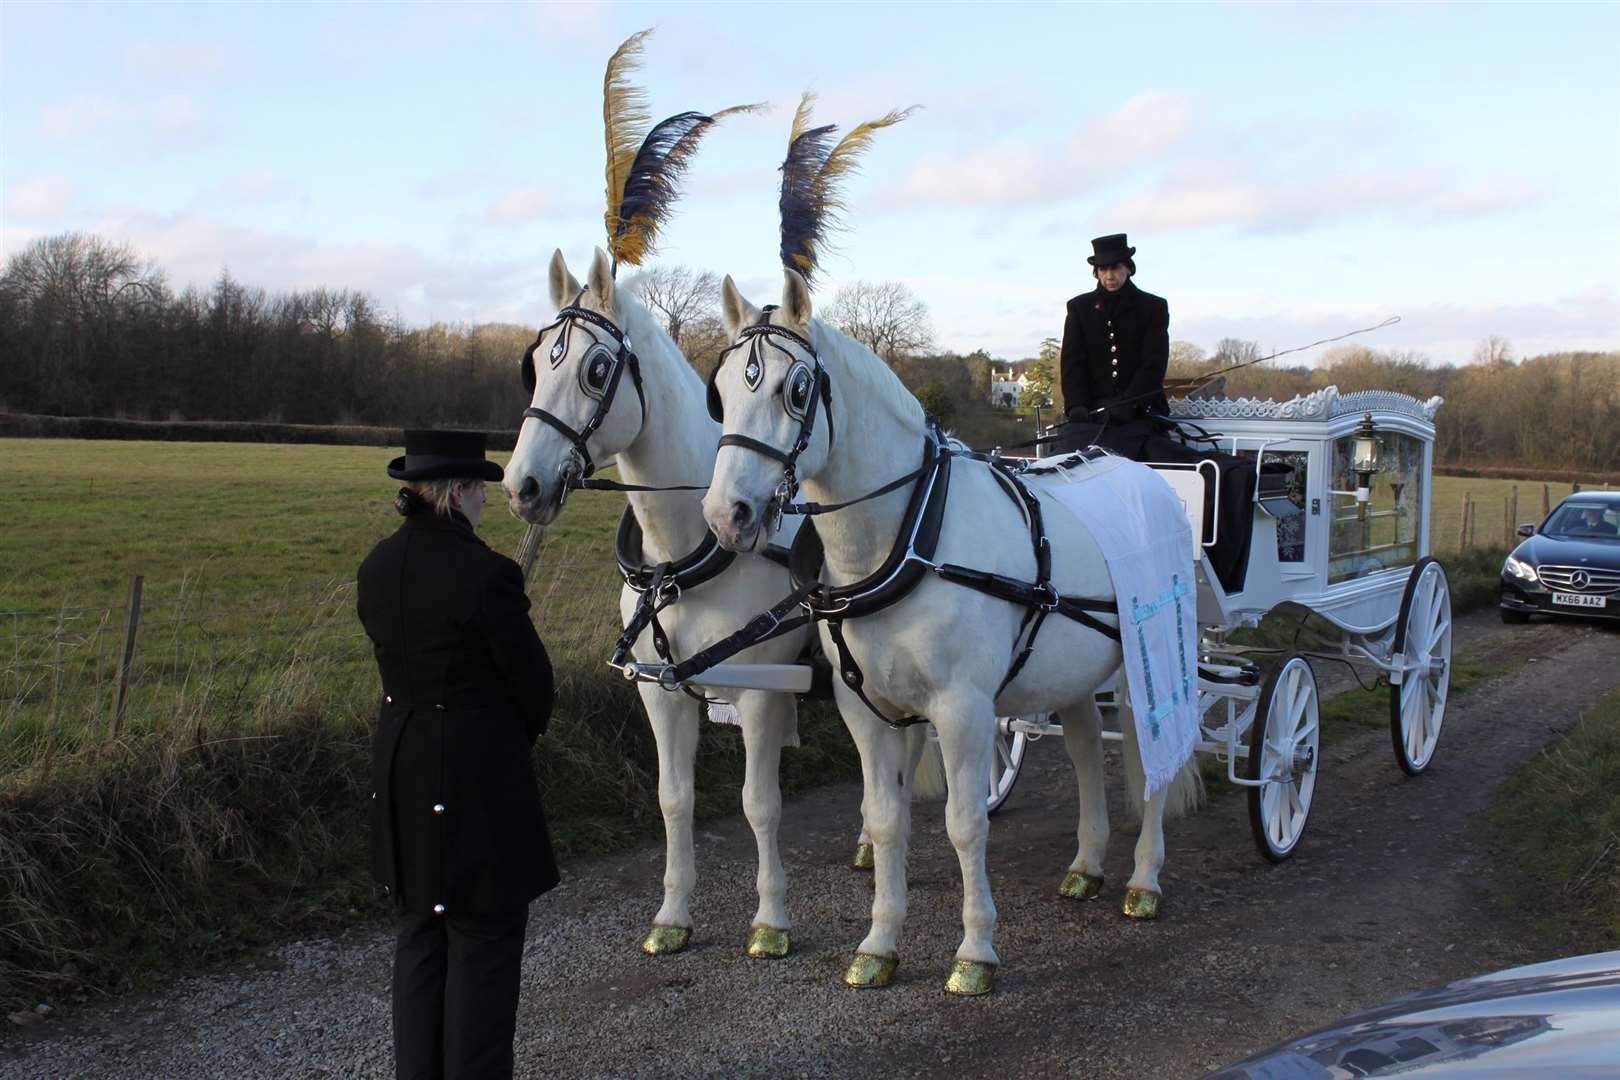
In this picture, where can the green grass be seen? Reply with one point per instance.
(1556, 832)
(1446, 503)
(230, 808)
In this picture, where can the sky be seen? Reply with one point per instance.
(1286, 172)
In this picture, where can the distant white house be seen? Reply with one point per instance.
(1007, 385)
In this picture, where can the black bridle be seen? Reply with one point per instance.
(599, 360)
(805, 389)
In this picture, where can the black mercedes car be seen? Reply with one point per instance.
(1570, 565)
(1558, 1021)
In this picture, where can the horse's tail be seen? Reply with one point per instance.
(1186, 791)
(928, 779)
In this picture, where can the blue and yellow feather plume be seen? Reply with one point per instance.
(653, 179)
(811, 203)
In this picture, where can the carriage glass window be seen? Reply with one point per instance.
(1383, 532)
(1282, 493)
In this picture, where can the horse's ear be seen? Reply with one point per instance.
(795, 297)
(735, 312)
(563, 286)
(601, 281)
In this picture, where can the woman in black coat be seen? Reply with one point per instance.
(458, 835)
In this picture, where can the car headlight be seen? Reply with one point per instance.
(1520, 569)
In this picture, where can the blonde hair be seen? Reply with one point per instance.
(436, 493)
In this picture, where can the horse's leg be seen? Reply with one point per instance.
(1142, 894)
(1082, 734)
(967, 739)
(916, 746)
(767, 720)
(886, 811)
(675, 723)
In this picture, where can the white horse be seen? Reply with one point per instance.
(943, 650)
(660, 435)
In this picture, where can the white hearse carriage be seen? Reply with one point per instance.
(1340, 528)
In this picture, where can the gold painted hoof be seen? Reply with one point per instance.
(970, 978)
(867, 971)
(863, 858)
(1078, 885)
(1141, 904)
(663, 940)
(767, 942)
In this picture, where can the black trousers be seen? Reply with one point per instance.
(455, 995)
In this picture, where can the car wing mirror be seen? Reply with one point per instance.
(1527, 528)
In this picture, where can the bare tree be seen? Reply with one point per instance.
(679, 297)
(1229, 351)
(1185, 358)
(1493, 351)
(886, 317)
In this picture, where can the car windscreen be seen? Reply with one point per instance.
(1584, 520)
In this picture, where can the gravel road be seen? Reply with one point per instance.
(1388, 892)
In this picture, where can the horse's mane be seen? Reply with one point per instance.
(642, 327)
(861, 371)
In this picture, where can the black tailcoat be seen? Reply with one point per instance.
(456, 818)
(1115, 348)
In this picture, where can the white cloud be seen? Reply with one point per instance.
(1226, 194)
(1022, 173)
(259, 186)
(43, 199)
(152, 58)
(77, 117)
(520, 205)
(171, 122)
(194, 249)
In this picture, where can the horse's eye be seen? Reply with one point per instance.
(798, 389)
(596, 374)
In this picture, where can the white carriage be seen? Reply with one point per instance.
(1341, 528)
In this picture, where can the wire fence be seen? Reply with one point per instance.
(179, 654)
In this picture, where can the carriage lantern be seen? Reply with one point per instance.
(1364, 459)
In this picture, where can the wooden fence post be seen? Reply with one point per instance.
(1514, 534)
(1546, 500)
(56, 671)
(127, 656)
(1462, 530)
(1473, 524)
(1575, 488)
(1507, 520)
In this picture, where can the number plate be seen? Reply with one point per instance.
(1564, 599)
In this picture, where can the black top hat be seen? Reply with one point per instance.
(444, 455)
(1110, 249)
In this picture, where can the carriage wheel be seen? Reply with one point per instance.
(1005, 766)
(1284, 741)
(1423, 648)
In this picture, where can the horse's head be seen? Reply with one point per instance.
(587, 400)
(771, 394)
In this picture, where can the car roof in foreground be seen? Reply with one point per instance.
(1611, 497)
(1560, 1018)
